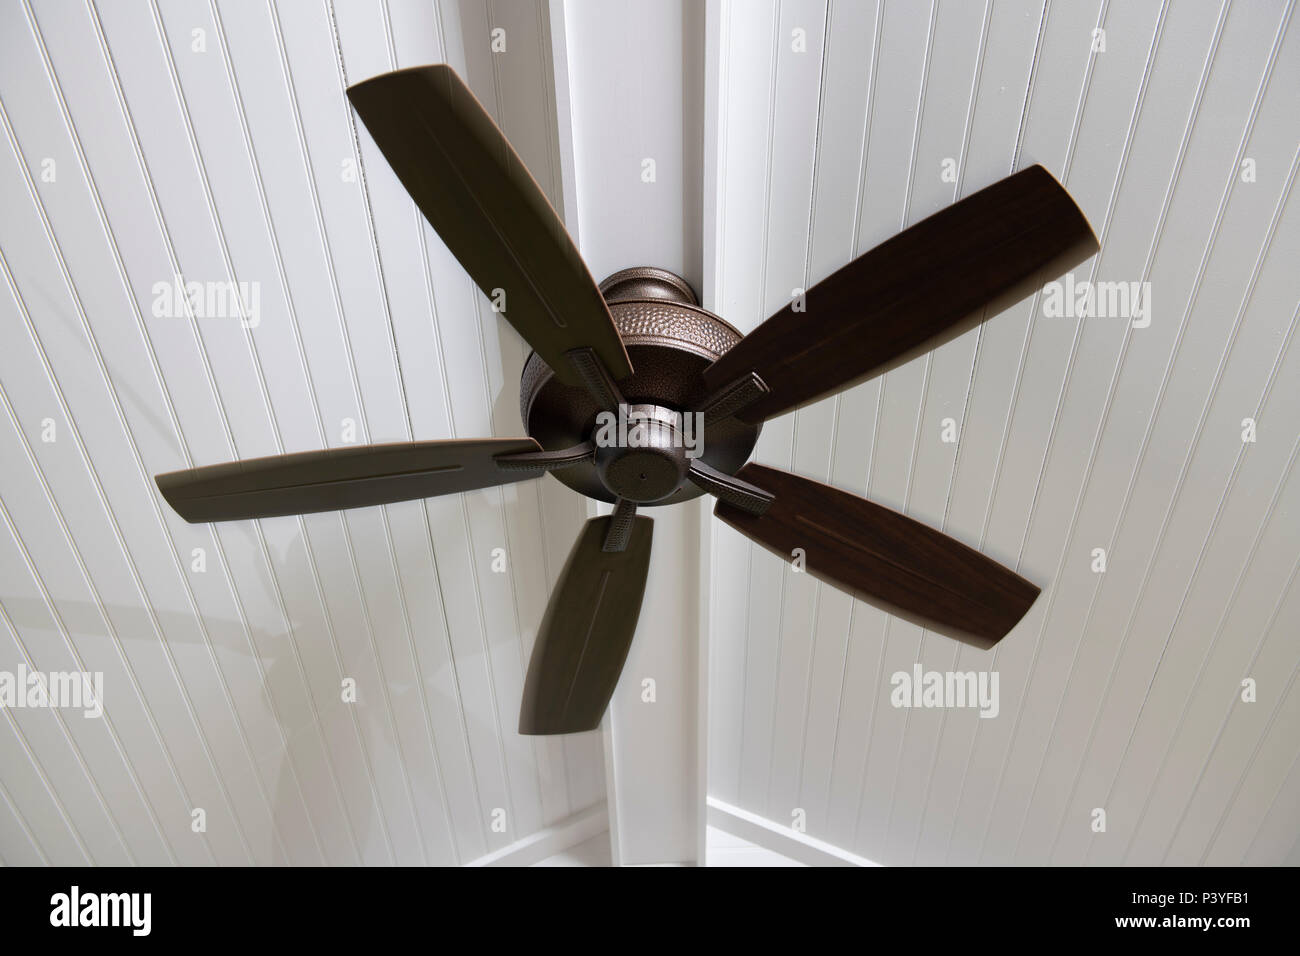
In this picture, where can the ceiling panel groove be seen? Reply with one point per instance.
(1061, 423)
(1137, 466)
(1183, 468)
(97, 600)
(102, 368)
(772, 75)
(1051, 588)
(448, 649)
(1295, 670)
(958, 189)
(1095, 266)
(1101, 428)
(17, 634)
(68, 416)
(50, 791)
(36, 764)
(920, 116)
(1273, 801)
(1176, 171)
(908, 214)
(447, 409)
(371, 231)
(534, 743)
(160, 94)
(1033, 304)
(166, 396)
(305, 365)
(1070, 362)
(1114, 537)
(232, 444)
(384, 681)
(64, 813)
(1021, 127)
(854, 246)
(1250, 667)
(876, 27)
(805, 283)
(923, 391)
(419, 222)
(282, 276)
(22, 825)
(877, 387)
(1029, 86)
(381, 285)
(1219, 626)
(255, 356)
(1034, 301)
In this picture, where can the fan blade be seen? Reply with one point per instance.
(911, 294)
(885, 558)
(586, 631)
(337, 478)
(476, 192)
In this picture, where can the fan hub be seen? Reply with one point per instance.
(644, 454)
(670, 341)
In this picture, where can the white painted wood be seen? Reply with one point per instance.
(222, 154)
(797, 848)
(629, 105)
(1073, 434)
(592, 852)
(543, 847)
(726, 849)
(627, 77)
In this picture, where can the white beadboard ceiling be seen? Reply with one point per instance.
(1119, 690)
(212, 139)
(224, 686)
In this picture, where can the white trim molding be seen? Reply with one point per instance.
(556, 838)
(780, 839)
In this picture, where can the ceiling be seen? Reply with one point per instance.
(224, 686)
(212, 140)
(1119, 690)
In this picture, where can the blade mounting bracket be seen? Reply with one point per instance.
(587, 365)
(620, 526)
(733, 397)
(546, 460)
(728, 488)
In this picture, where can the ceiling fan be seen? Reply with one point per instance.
(638, 347)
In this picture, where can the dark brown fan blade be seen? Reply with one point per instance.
(885, 558)
(586, 631)
(476, 192)
(912, 293)
(338, 478)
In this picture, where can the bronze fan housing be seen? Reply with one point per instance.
(670, 341)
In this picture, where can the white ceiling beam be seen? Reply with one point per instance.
(628, 94)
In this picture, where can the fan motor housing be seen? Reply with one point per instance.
(670, 340)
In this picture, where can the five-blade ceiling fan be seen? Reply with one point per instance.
(639, 344)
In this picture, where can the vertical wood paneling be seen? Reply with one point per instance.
(213, 140)
(1073, 434)
(1175, 395)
